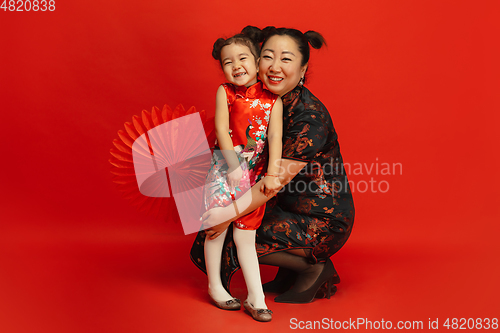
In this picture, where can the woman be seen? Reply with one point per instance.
(312, 215)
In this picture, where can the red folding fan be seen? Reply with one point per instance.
(162, 155)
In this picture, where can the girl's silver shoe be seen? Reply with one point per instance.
(232, 304)
(263, 315)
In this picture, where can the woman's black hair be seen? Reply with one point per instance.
(250, 36)
(303, 40)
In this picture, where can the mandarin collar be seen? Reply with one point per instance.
(250, 92)
(290, 96)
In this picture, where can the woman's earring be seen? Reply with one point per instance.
(301, 82)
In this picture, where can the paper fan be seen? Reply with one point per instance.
(163, 157)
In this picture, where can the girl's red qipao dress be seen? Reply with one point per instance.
(249, 114)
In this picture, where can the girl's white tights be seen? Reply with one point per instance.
(213, 257)
(247, 256)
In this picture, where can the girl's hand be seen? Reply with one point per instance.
(234, 177)
(271, 186)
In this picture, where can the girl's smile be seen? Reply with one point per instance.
(239, 65)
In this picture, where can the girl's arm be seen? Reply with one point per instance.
(224, 140)
(218, 219)
(274, 140)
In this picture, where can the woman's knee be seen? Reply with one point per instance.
(300, 252)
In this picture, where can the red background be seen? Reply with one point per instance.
(410, 82)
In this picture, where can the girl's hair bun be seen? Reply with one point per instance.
(250, 36)
(254, 33)
(219, 43)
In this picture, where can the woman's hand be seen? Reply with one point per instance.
(216, 220)
(216, 231)
(234, 177)
(270, 186)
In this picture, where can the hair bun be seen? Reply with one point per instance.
(217, 48)
(254, 33)
(315, 39)
(267, 31)
(250, 37)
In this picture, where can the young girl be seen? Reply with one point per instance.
(245, 115)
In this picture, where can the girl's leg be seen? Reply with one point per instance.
(247, 256)
(213, 254)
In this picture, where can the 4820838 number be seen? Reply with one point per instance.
(471, 323)
(28, 5)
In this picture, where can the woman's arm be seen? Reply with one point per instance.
(274, 140)
(218, 219)
(224, 140)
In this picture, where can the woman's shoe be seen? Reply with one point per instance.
(327, 276)
(323, 291)
(279, 286)
(232, 304)
(263, 315)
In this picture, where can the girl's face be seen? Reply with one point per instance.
(280, 64)
(239, 65)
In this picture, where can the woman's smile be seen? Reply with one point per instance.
(274, 79)
(280, 66)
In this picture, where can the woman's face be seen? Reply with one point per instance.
(280, 64)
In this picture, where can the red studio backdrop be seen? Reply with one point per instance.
(412, 87)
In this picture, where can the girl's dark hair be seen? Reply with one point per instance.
(303, 40)
(250, 36)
